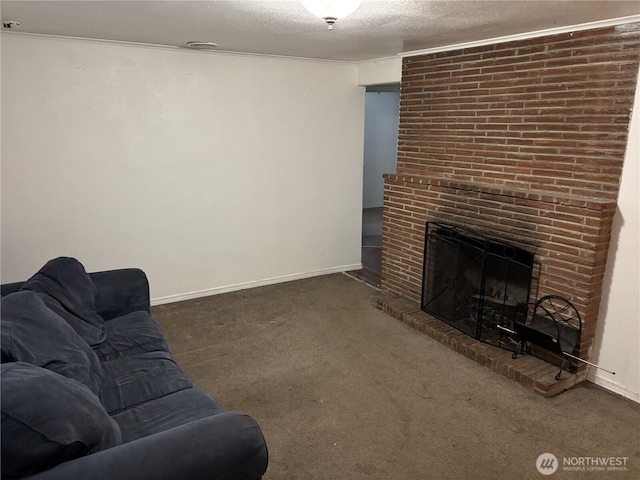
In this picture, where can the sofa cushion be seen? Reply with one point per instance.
(32, 333)
(130, 381)
(48, 419)
(67, 289)
(166, 412)
(131, 335)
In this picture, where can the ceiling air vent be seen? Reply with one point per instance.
(202, 45)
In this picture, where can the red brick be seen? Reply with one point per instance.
(523, 141)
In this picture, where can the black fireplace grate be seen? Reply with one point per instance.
(476, 284)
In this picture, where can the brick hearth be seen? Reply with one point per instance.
(529, 371)
(524, 142)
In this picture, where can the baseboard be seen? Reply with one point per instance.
(615, 388)
(252, 284)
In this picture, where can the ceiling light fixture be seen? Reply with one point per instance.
(202, 45)
(331, 10)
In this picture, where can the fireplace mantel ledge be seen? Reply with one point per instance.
(555, 198)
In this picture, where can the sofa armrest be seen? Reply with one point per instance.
(7, 288)
(227, 446)
(120, 292)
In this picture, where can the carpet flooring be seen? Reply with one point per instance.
(370, 272)
(343, 391)
(372, 240)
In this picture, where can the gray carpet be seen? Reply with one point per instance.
(343, 391)
(372, 240)
(372, 227)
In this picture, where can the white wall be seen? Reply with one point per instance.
(617, 340)
(211, 172)
(380, 144)
(380, 71)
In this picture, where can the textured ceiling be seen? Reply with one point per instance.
(377, 29)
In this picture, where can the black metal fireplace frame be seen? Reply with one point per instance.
(502, 333)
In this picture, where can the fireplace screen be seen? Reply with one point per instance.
(476, 284)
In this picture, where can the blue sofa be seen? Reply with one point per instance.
(90, 389)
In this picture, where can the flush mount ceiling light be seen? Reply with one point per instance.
(331, 10)
(202, 45)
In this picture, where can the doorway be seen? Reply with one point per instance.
(382, 108)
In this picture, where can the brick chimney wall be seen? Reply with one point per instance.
(523, 141)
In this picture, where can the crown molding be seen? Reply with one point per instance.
(524, 36)
(173, 48)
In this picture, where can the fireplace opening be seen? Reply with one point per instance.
(476, 284)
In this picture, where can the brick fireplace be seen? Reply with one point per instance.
(524, 142)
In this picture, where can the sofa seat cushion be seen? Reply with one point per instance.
(166, 412)
(130, 381)
(130, 335)
(32, 333)
(67, 289)
(48, 419)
